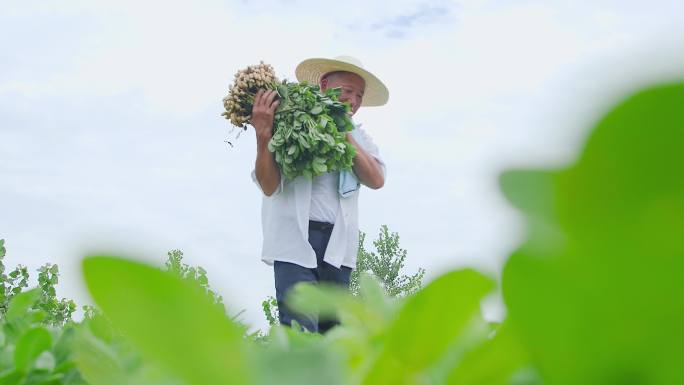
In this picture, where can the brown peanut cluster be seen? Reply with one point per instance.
(247, 82)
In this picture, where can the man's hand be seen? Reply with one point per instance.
(262, 114)
(267, 172)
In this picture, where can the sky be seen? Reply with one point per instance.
(111, 138)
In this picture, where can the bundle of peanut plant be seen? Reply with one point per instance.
(309, 128)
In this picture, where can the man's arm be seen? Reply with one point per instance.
(266, 169)
(366, 167)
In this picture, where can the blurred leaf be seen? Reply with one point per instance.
(63, 345)
(44, 379)
(492, 362)
(30, 346)
(100, 327)
(7, 357)
(596, 290)
(305, 360)
(323, 299)
(169, 320)
(428, 324)
(375, 297)
(97, 362)
(12, 378)
(18, 307)
(334, 302)
(435, 316)
(36, 316)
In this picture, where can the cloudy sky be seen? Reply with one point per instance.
(111, 139)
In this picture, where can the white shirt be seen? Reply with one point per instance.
(285, 220)
(324, 197)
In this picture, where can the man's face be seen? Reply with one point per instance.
(352, 86)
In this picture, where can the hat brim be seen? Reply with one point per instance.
(311, 71)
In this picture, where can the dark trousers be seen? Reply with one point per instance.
(289, 274)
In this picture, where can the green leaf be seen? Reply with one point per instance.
(15, 377)
(97, 362)
(493, 362)
(30, 346)
(282, 91)
(101, 328)
(316, 110)
(285, 366)
(324, 300)
(349, 126)
(428, 324)
(304, 142)
(369, 313)
(37, 316)
(320, 168)
(20, 304)
(374, 295)
(62, 346)
(595, 292)
(169, 320)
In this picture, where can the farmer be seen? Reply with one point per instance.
(310, 227)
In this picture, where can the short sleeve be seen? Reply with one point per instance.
(277, 191)
(370, 147)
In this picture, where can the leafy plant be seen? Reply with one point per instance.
(310, 131)
(10, 284)
(270, 309)
(169, 320)
(309, 126)
(385, 264)
(31, 352)
(40, 343)
(58, 312)
(54, 311)
(195, 275)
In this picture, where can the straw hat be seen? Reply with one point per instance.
(311, 71)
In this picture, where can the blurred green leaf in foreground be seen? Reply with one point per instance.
(597, 291)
